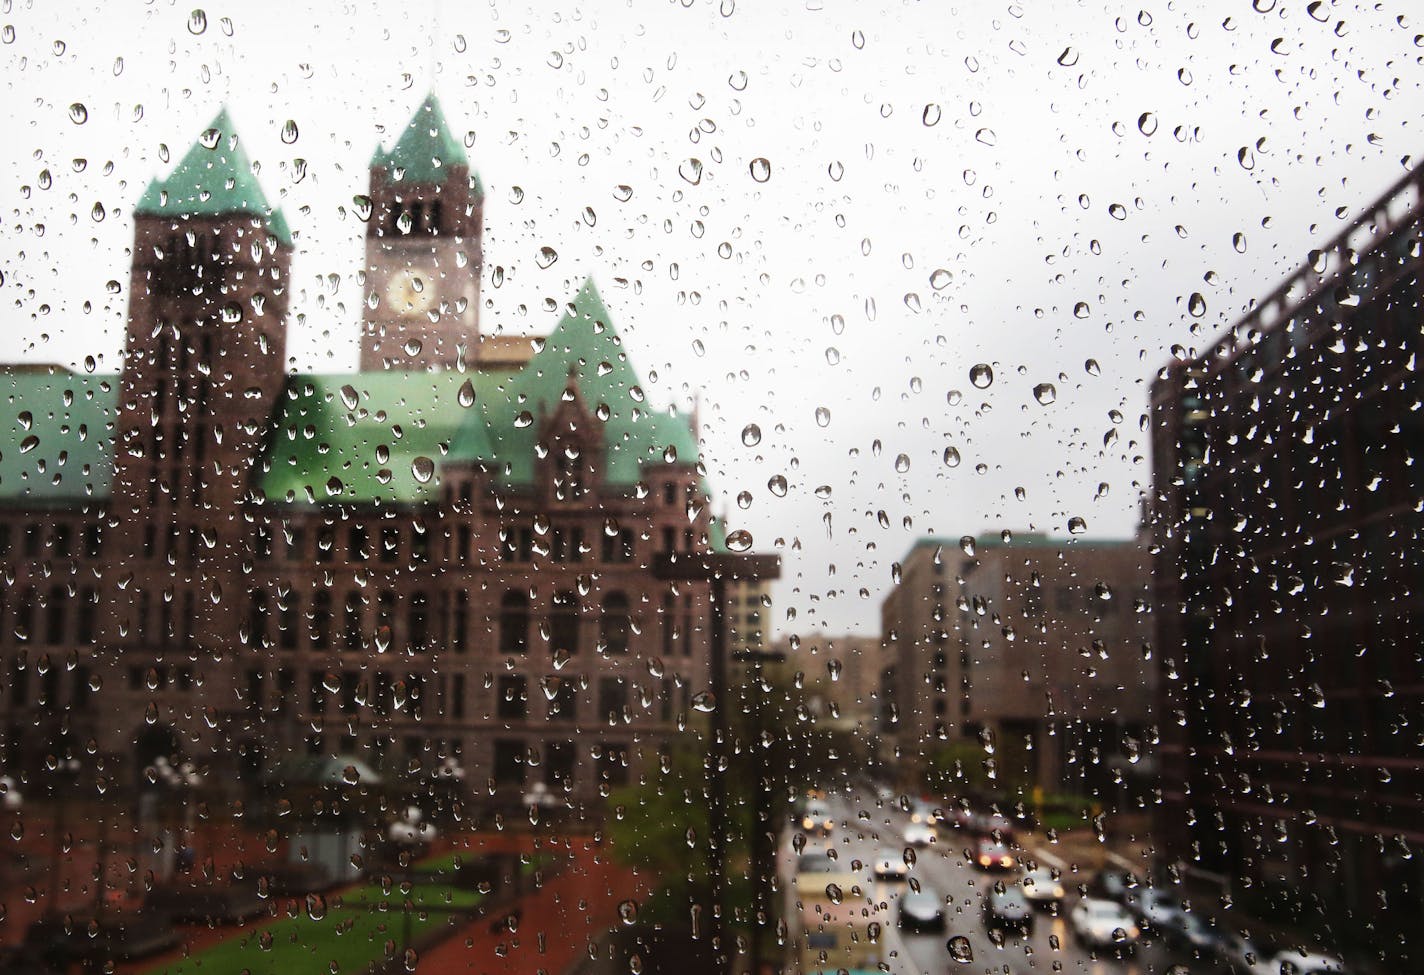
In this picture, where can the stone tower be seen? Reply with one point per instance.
(423, 250)
(203, 372)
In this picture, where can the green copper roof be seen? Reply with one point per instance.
(426, 149)
(56, 428)
(330, 429)
(213, 179)
(363, 437)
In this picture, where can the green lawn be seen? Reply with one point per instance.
(347, 938)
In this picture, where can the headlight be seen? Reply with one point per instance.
(827, 824)
(1132, 932)
(984, 861)
(808, 823)
(1057, 891)
(1006, 861)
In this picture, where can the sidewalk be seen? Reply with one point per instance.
(557, 925)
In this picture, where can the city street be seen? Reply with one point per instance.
(863, 829)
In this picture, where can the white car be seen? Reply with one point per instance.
(890, 866)
(817, 820)
(920, 834)
(1293, 961)
(1102, 923)
(1043, 887)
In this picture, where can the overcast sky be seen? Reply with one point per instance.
(1027, 185)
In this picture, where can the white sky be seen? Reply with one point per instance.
(1037, 136)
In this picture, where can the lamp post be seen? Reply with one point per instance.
(761, 808)
(66, 775)
(718, 568)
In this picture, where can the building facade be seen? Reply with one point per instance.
(1037, 648)
(1288, 492)
(436, 557)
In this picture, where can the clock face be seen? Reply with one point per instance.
(410, 292)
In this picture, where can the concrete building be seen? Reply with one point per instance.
(841, 675)
(749, 617)
(208, 557)
(1288, 510)
(1038, 647)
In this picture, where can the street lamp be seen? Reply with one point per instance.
(718, 568)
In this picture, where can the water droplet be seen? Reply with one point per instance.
(1246, 157)
(981, 376)
(960, 950)
(98, 213)
(1077, 525)
(986, 136)
(761, 169)
(29, 444)
(231, 313)
(422, 469)
(1092, 368)
(362, 206)
(951, 457)
(78, 114)
(197, 22)
(1045, 393)
(704, 702)
(902, 463)
(1117, 211)
(546, 257)
(932, 114)
(349, 396)
(1196, 304)
(966, 545)
(739, 540)
(834, 893)
(1147, 123)
(777, 485)
(940, 278)
(835, 171)
(823, 416)
(738, 80)
(628, 912)
(622, 193)
(466, 394)
(691, 170)
(751, 435)
(289, 131)
(1068, 58)
(1081, 310)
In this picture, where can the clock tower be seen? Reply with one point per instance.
(424, 254)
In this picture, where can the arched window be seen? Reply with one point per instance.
(352, 622)
(419, 621)
(55, 615)
(614, 625)
(436, 213)
(514, 622)
(321, 619)
(257, 620)
(564, 623)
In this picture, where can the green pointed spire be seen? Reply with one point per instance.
(426, 148)
(214, 178)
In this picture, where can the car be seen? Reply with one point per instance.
(1154, 908)
(1193, 932)
(993, 824)
(817, 819)
(922, 910)
(1112, 884)
(1239, 952)
(1007, 909)
(990, 854)
(923, 812)
(1043, 887)
(890, 866)
(1100, 923)
(920, 834)
(817, 862)
(1295, 961)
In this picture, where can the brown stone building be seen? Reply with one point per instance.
(1288, 492)
(208, 557)
(1036, 646)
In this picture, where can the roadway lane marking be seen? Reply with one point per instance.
(1123, 862)
(1049, 859)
